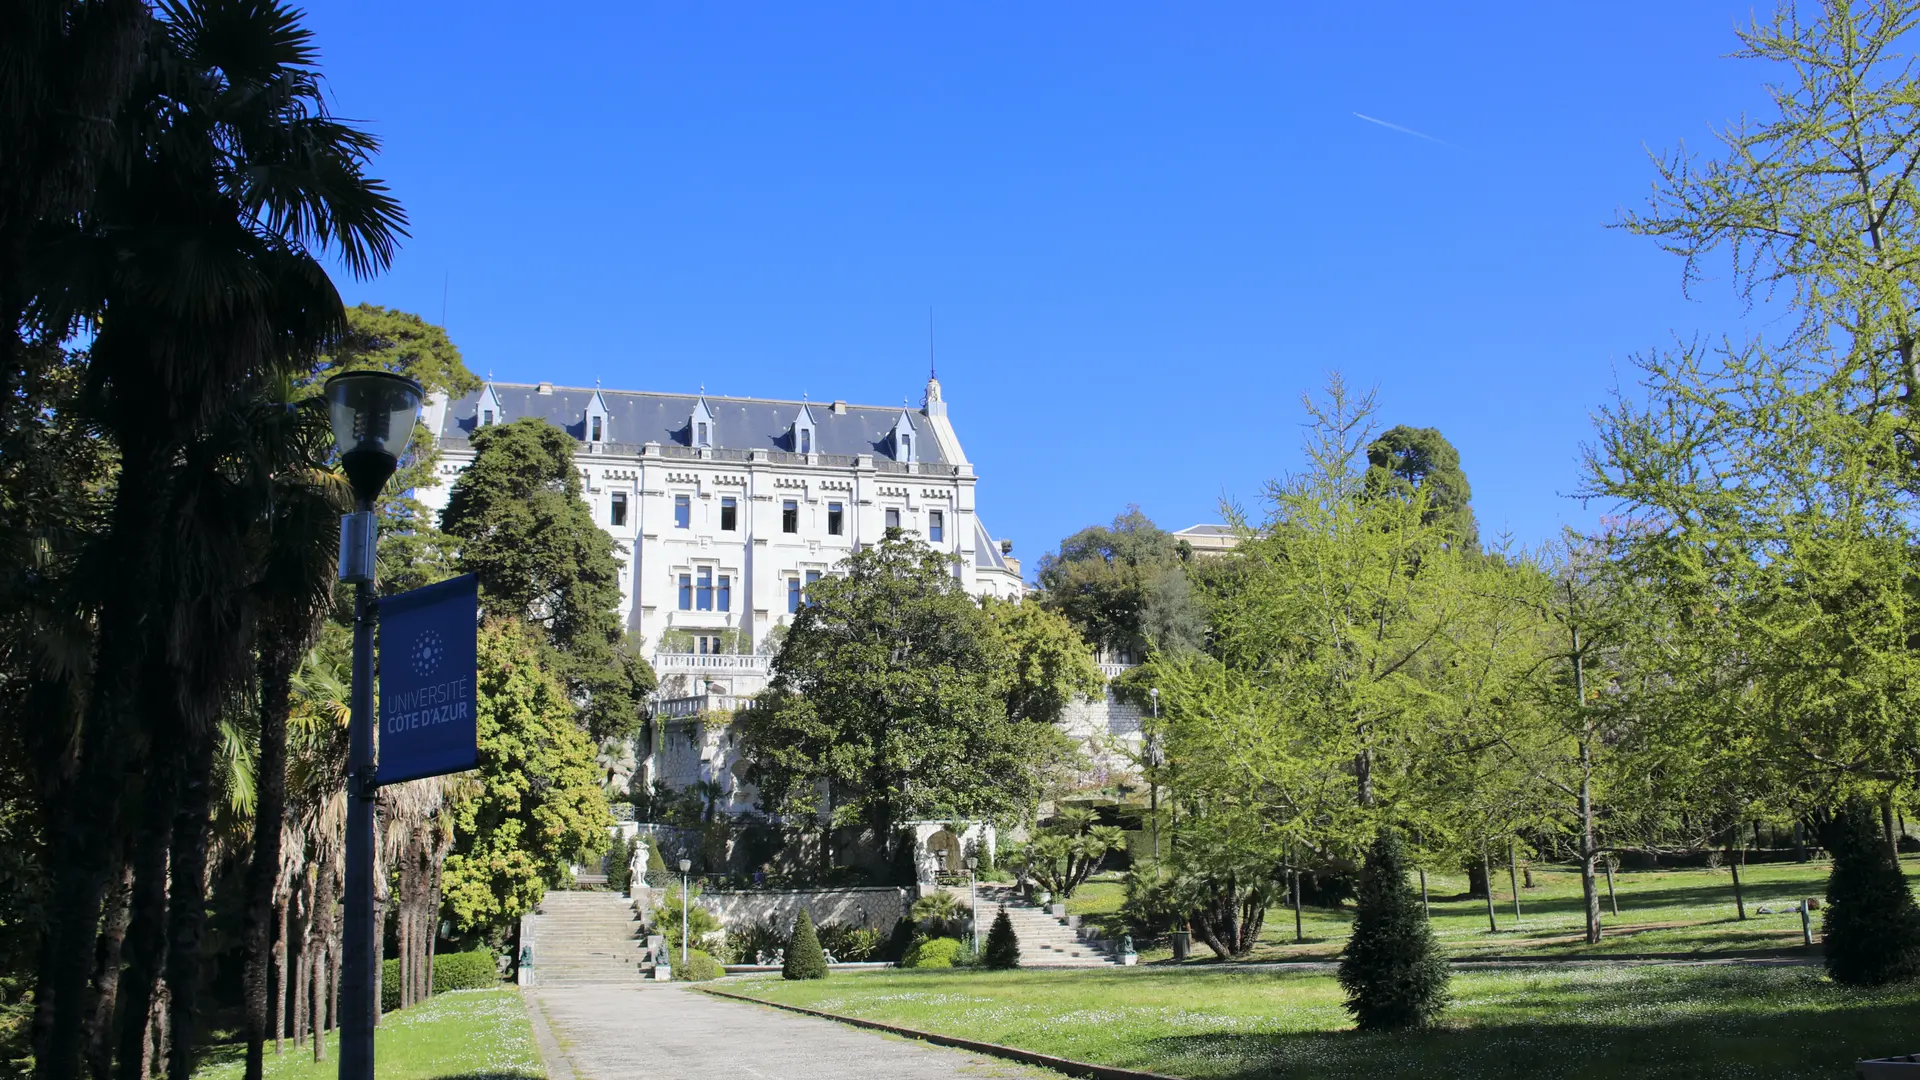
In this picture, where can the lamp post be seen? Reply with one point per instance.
(372, 414)
(1156, 757)
(686, 912)
(973, 901)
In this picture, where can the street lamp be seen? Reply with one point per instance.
(373, 415)
(686, 913)
(1156, 757)
(973, 900)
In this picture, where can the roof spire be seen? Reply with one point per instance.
(932, 374)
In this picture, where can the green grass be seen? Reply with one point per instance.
(1701, 901)
(469, 1034)
(1554, 1022)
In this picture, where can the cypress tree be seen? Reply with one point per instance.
(1872, 926)
(1003, 945)
(1392, 971)
(804, 958)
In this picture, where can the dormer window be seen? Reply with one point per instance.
(488, 410)
(806, 441)
(700, 426)
(593, 429)
(486, 417)
(903, 434)
(802, 431)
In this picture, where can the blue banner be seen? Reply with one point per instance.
(428, 646)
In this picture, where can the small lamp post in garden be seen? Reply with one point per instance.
(973, 900)
(686, 913)
(372, 414)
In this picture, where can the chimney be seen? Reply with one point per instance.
(839, 408)
(546, 388)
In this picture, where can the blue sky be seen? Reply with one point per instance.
(1143, 230)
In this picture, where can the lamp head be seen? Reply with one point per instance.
(973, 862)
(1154, 693)
(372, 414)
(686, 865)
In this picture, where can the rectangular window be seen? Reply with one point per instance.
(936, 526)
(893, 518)
(836, 517)
(686, 592)
(702, 639)
(729, 514)
(702, 439)
(683, 511)
(793, 595)
(486, 418)
(619, 508)
(790, 516)
(806, 441)
(595, 436)
(726, 592)
(703, 597)
(812, 576)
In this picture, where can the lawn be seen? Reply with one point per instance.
(469, 1034)
(1550, 1022)
(1662, 912)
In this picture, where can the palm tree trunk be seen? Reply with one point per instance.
(187, 916)
(146, 946)
(279, 990)
(256, 930)
(106, 977)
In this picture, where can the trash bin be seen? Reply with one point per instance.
(1182, 944)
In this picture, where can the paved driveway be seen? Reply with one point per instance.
(667, 1030)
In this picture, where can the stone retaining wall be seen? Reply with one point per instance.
(874, 908)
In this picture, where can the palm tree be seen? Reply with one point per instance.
(199, 255)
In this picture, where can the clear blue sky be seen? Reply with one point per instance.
(1144, 229)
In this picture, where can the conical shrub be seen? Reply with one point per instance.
(1392, 971)
(1872, 925)
(1003, 945)
(805, 960)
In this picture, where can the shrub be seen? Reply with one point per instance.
(473, 970)
(619, 865)
(668, 913)
(940, 914)
(939, 952)
(849, 944)
(1872, 926)
(1391, 969)
(900, 942)
(699, 967)
(745, 946)
(1003, 945)
(804, 958)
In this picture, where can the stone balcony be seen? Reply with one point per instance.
(677, 663)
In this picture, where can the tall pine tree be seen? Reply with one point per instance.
(1392, 970)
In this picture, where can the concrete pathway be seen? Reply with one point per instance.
(651, 1031)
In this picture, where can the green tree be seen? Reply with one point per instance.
(890, 694)
(1067, 850)
(1042, 662)
(1124, 586)
(1409, 459)
(1003, 945)
(1872, 926)
(539, 805)
(201, 267)
(529, 536)
(804, 959)
(1391, 969)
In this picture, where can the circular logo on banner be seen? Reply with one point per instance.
(428, 650)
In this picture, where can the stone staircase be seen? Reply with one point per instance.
(587, 938)
(1046, 940)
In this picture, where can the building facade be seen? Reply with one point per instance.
(724, 510)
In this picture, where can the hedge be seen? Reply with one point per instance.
(699, 968)
(451, 971)
(937, 953)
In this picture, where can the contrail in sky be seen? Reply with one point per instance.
(1402, 130)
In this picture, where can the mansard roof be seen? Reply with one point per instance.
(986, 550)
(739, 423)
